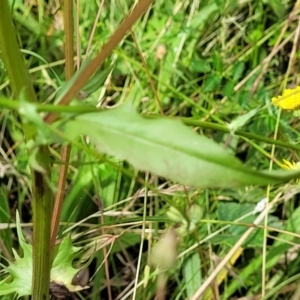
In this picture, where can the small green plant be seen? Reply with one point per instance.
(19, 280)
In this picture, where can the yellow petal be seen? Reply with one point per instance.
(290, 99)
(287, 165)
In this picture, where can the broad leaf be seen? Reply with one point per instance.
(167, 148)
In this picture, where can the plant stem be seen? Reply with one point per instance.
(106, 50)
(42, 207)
(18, 74)
(59, 109)
(65, 152)
(41, 194)
(187, 121)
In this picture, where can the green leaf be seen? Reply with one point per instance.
(41, 133)
(20, 270)
(192, 274)
(277, 7)
(167, 148)
(217, 62)
(238, 70)
(230, 211)
(204, 14)
(200, 65)
(211, 83)
(19, 280)
(62, 270)
(243, 97)
(96, 81)
(228, 89)
(241, 120)
(256, 34)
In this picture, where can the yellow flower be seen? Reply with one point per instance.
(290, 99)
(291, 165)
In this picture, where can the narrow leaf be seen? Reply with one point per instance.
(240, 121)
(192, 274)
(167, 148)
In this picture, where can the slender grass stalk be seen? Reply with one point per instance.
(41, 193)
(106, 50)
(18, 74)
(65, 152)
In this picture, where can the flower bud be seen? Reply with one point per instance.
(164, 252)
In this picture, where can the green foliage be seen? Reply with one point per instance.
(240, 121)
(278, 7)
(155, 144)
(135, 177)
(19, 280)
(232, 211)
(192, 274)
(211, 83)
(62, 271)
(20, 271)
